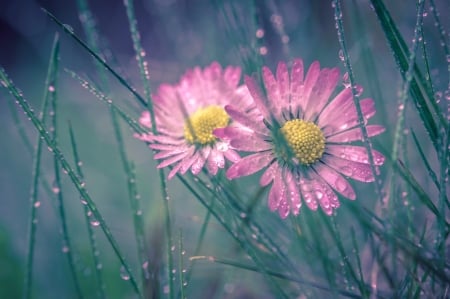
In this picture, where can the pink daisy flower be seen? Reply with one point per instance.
(186, 115)
(300, 134)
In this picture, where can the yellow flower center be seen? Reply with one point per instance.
(199, 127)
(305, 140)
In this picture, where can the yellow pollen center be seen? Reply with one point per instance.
(304, 139)
(199, 127)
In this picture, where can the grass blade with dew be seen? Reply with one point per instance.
(57, 186)
(420, 91)
(34, 202)
(181, 270)
(138, 223)
(399, 142)
(41, 128)
(91, 234)
(367, 59)
(346, 59)
(431, 172)
(97, 57)
(132, 123)
(144, 73)
(91, 31)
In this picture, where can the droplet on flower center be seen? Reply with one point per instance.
(199, 127)
(305, 140)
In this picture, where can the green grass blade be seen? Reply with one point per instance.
(181, 270)
(97, 57)
(34, 202)
(144, 73)
(431, 172)
(41, 128)
(57, 186)
(134, 125)
(91, 234)
(366, 141)
(92, 34)
(421, 92)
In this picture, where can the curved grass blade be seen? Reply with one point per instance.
(41, 128)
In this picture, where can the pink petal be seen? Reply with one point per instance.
(269, 174)
(335, 180)
(306, 189)
(167, 140)
(200, 162)
(310, 80)
(355, 153)
(283, 85)
(284, 206)
(342, 100)
(321, 92)
(172, 160)
(347, 117)
(273, 93)
(275, 193)
(187, 163)
(249, 165)
(257, 96)
(293, 192)
(241, 98)
(242, 139)
(174, 171)
(232, 75)
(355, 134)
(232, 155)
(297, 101)
(145, 119)
(357, 171)
(244, 119)
(322, 194)
(215, 161)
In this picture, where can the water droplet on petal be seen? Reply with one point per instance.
(319, 194)
(340, 185)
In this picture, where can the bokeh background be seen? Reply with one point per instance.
(176, 35)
